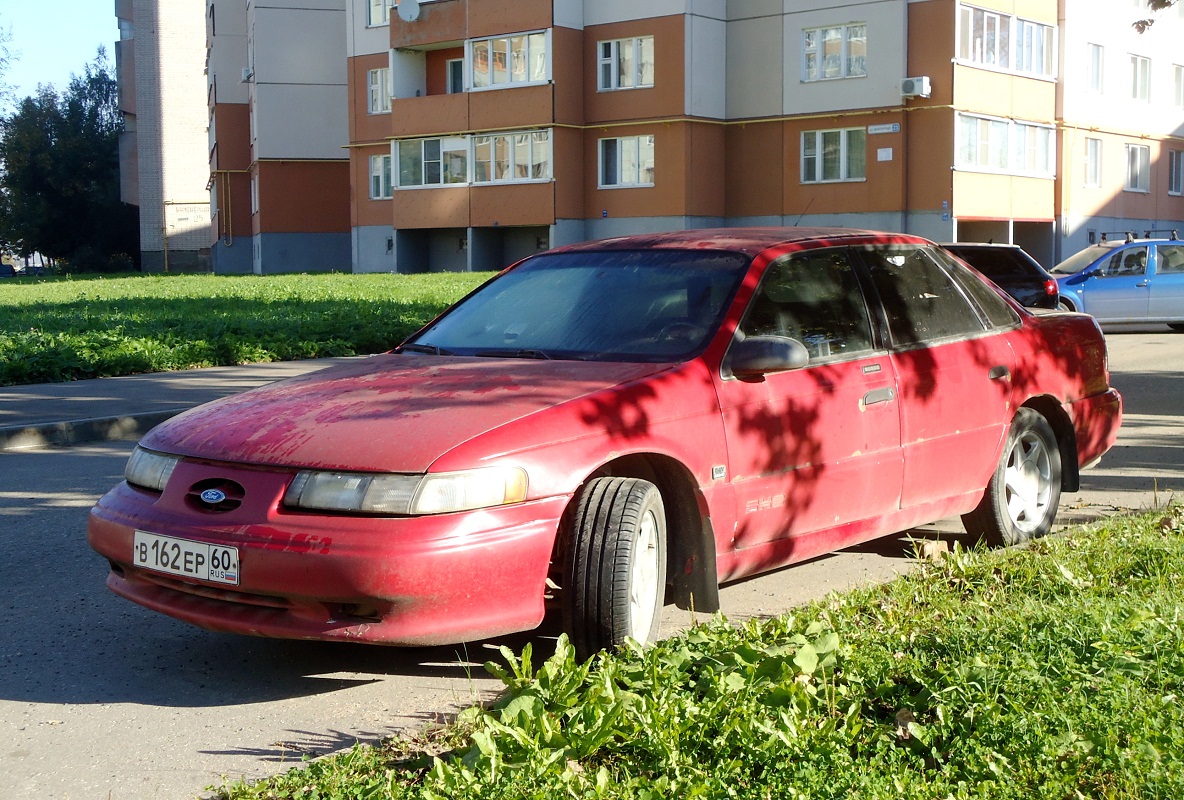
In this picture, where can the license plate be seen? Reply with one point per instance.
(207, 562)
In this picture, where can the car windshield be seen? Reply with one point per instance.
(614, 305)
(1080, 260)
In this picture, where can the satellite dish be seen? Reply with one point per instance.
(409, 10)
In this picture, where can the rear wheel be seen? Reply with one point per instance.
(1022, 497)
(615, 570)
(1178, 327)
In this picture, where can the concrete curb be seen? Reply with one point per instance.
(83, 431)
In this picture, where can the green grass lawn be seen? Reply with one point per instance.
(61, 329)
(1053, 671)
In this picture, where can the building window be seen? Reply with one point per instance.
(503, 61)
(380, 91)
(1178, 85)
(379, 13)
(625, 63)
(520, 157)
(628, 161)
(433, 162)
(1002, 41)
(1093, 82)
(1140, 78)
(838, 51)
(456, 75)
(1176, 172)
(998, 145)
(380, 177)
(1093, 162)
(1138, 168)
(835, 155)
(254, 195)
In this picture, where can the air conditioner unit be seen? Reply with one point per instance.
(915, 87)
(248, 73)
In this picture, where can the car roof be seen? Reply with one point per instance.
(750, 241)
(1001, 245)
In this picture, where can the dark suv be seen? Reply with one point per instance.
(1013, 270)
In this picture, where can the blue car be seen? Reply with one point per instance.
(1137, 280)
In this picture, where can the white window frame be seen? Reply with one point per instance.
(622, 64)
(1138, 169)
(1093, 162)
(514, 153)
(1095, 68)
(812, 165)
(1176, 172)
(1005, 146)
(1007, 43)
(378, 13)
(536, 66)
(437, 150)
(378, 95)
(625, 162)
(381, 180)
(850, 64)
(1140, 78)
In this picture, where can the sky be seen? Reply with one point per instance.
(53, 40)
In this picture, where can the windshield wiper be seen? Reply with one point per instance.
(415, 347)
(511, 353)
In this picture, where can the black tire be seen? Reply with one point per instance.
(1178, 327)
(615, 570)
(1065, 305)
(1022, 497)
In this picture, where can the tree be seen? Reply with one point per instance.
(59, 192)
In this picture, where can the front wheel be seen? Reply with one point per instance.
(615, 568)
(1065, 305)
(1178, 327)
(1022, 497)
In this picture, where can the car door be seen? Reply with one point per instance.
(953, 370)
(1167, 283)
(812, 449)
(1122, 290)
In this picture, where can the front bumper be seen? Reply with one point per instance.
(406, 581)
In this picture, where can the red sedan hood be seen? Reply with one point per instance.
(395, 413)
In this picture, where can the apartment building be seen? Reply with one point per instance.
(278, 166)
(162, 159)
(425, 135)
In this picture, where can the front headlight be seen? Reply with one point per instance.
(404, 495)
(149, 469)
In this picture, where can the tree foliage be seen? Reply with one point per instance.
(59, 191)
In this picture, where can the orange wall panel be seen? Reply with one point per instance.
(232, 126)
(491, 17)
(667, 197)
(437, 67)
(364, 126)
(303, 197)
(985, 196)
(441, 21)
(365, 211)
(567, 166)
(756, 171)
(431, 208)
(513, 204)
(567, 72)
(705, 168)
(667, 98)
(930, 142)
(503, 109)
(432, 115)
(930, 54)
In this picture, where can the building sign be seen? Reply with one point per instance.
(891, 127)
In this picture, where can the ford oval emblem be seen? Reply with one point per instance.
(213, 496)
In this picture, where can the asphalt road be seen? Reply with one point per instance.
(102, 699)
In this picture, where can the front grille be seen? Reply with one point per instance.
(215, 495)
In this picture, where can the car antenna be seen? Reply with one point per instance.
(804, 210)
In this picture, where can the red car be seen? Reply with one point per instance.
(610, 426)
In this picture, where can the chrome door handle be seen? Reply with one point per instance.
(1142, 284)
(998, 373)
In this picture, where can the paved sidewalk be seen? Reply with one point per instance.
(124, 408)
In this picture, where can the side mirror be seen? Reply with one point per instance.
(1096, 272)
(755, 356)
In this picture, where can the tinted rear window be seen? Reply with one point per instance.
(1002, 262)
